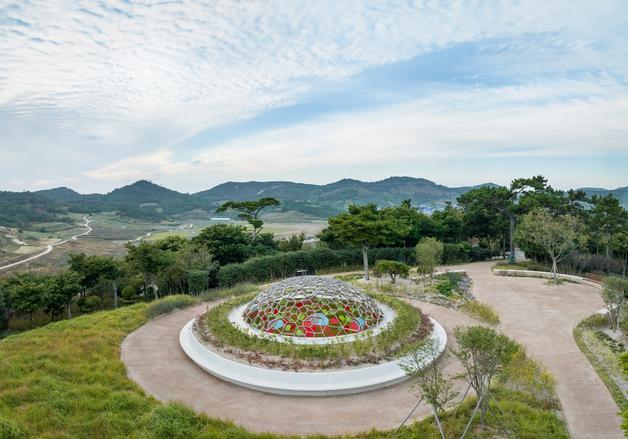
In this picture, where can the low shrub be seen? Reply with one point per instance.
(481, 311)
(285, 264)
(168, 304)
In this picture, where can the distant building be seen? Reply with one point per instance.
(219, 219)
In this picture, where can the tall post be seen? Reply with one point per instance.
(511, 259)
(365, 259)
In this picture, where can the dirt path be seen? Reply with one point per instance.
(51, 247)
(542, 317)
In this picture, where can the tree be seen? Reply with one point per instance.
(619, 247)
(25, 291)
(418, 223)
(366, 226)
(292, 244)
(487, 214)
(249, 210)
(150, 260)
(607, 218)
(614, 290)
(392, 268)
(483, 353)
(59, 293)
(448, 224)
(94, 269)
(433, 386)
(227, 243)
(4, 310)
(556, 236)
(429, 252)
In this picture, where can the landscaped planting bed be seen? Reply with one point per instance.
(407, 332)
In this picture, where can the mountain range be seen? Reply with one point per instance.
(146, 200)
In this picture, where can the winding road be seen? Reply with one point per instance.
(51, 247)
(538, 315)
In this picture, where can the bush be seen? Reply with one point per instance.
(456, 253)
(479, 254)
(128, 293)
(197, 280)
(265, 268)
(89, 303)
(391, 268)
(168, 304)
(481, 311)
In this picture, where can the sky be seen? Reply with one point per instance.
(96, 94)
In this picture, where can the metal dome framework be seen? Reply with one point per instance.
(312, 306)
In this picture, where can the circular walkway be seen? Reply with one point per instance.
(540, 316)
(155, 360)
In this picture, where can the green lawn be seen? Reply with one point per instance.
(66, 380)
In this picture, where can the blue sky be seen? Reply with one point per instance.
(98, 94)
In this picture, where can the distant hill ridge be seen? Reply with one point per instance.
(146, 200)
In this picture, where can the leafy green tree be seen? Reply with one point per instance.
(606, 219)
(487, 214)
(94, 270)
(429, 253)
(614, 291)
(59, 292)
(392, 269)
(483, 353)
(364, 226)
(619, 247)
(291, 244)
(25, 291)
(150, 260)
(418, 223)
(448, 224)
(227, 243)
(249, 211)
(556, 236)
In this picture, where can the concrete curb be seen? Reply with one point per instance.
(337, 382)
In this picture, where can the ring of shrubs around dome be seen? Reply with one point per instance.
(407, 332)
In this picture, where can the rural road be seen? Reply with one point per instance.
(50, 247)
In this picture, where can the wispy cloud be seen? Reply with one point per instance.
(88, 86)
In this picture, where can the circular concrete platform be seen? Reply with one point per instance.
(324, 383)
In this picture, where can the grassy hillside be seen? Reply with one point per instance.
(67, 380)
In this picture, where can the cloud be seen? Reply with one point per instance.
(566, 118)
(85, 85)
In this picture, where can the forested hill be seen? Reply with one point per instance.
(340, 194)
(149, 201)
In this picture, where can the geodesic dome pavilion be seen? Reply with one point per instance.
(312, 306)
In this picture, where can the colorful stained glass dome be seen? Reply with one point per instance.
(312, 306)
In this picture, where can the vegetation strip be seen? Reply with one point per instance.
(407, 332)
